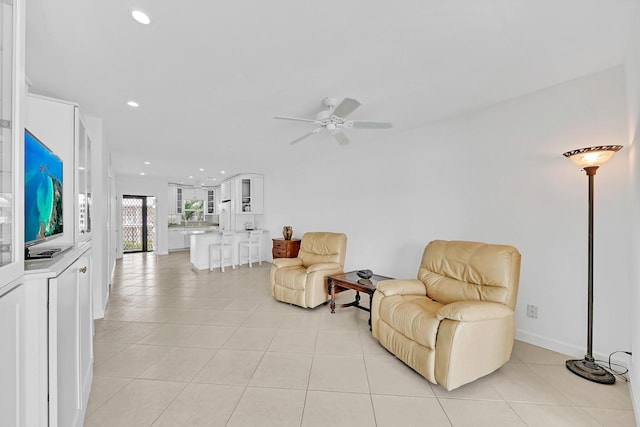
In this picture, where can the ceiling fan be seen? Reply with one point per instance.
(333, 120)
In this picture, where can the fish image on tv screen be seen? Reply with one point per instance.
(42, 191)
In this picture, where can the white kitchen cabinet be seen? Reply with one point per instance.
(225, 190)
(249, 194)
(172, 199)
(218, 199)
(212, 200)
(175, 198)
(178, 200)
(194, 193)
(188, 193)
(176, 239)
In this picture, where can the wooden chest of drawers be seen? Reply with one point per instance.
(285, 248)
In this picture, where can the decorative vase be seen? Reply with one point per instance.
(287, 232)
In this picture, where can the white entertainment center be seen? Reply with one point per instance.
(66, 279)
(46, 305)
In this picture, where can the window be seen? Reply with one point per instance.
(193, 210)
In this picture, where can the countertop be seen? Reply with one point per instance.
(218, 231)
(198, 225)
(52, 267)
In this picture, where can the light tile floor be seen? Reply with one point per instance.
(180, 347)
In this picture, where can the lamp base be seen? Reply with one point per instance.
(590, 370)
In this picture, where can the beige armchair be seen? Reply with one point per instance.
(302, 280)
(455, 322)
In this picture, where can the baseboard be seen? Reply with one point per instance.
(99, 313)
(635, 394)
(568, 349)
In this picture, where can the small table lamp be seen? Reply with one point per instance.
(590, 159)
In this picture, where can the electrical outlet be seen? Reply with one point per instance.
(532, 311)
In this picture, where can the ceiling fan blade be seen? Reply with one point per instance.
(363, 124)
(346, 107)
(341, 138)
(313, 132)
(296, 119)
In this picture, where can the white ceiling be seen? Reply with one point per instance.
(210, 75)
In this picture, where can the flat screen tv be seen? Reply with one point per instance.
(43, 218)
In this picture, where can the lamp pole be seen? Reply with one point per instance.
(591, 173)
(590, 160)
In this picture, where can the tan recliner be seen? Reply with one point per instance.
(302, 280)
(455, 323)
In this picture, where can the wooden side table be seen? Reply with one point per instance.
(350, 281)
(285, 248)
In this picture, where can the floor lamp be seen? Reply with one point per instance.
(590, 159)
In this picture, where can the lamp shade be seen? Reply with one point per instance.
(592, 156)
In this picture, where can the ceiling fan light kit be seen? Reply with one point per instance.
(333, 120)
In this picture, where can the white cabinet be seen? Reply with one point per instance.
(11, 139)
(63, 327)
(218, 198)
(225, 190)
(83, 177)
(172, 197)
(70, 343)
(178, 200)
(23, 354)
(249, 194)
(194, 193)
(212, 200)
(177, 239)
(12, 356)
(188, 193)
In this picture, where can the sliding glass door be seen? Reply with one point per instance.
(138, 223)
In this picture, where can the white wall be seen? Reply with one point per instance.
(112, 207)
(494, 175)
(141, 186)
(101, 224)
(633, 99)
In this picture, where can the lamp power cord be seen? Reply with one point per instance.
(616, 369)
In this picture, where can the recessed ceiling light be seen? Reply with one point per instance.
(147, 163)
(190, 176)
(141, 17)
(221, 171)
(201, 170)
(141, 173)
(133, 104)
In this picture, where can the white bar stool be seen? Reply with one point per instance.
(225, 244)
(253, 247)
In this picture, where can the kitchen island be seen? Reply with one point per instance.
(199, 247)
